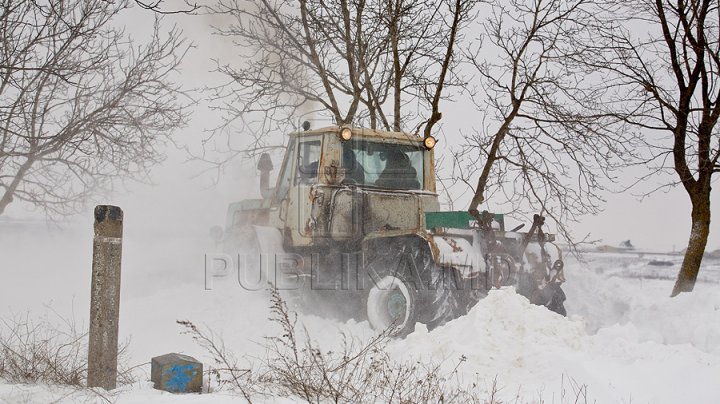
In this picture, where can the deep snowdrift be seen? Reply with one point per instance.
(537, 354)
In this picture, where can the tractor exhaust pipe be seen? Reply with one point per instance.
(265, 166)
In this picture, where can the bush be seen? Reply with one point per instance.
(44, 351)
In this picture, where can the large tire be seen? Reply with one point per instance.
(453, 296)
(404, 277)
(392, 304)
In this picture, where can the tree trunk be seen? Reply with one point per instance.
(10, 189)
(5, 201)
(696, 245)
(397, 74)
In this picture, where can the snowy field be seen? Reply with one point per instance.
(624, 341)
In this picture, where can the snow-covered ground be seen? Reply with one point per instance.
(624, 338)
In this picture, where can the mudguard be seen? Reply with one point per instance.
(369, 241)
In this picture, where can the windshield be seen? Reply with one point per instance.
(384, 165)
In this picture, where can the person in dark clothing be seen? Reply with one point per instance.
(398, 173)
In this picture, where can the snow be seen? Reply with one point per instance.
(624, 339)
(644, 303)
(531, 349)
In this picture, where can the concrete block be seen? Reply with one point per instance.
(176, 373)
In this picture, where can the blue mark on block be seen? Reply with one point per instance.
(179, 377)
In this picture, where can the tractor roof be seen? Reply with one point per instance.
(362, 132)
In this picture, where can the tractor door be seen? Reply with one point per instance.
(279, 203)
(299, 175)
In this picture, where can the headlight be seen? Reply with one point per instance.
(429, 142)
(345, 134)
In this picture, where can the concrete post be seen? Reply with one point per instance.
(105, 297)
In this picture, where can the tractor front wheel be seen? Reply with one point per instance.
(392, 304)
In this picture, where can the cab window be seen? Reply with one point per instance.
(308, 161)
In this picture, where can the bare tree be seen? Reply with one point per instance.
(156, 6)
(661, 60)
(80, 104)
(541, 147)
(378, 63)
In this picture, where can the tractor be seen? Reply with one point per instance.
(354, 221)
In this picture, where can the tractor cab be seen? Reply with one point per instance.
(355, 156)
(343, 183)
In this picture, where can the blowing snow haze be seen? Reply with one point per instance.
(618, 336)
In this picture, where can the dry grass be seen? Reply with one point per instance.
(47, 350)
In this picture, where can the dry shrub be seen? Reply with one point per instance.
(48, 351)
(360, 372)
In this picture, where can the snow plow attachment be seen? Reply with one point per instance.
(479, 247)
